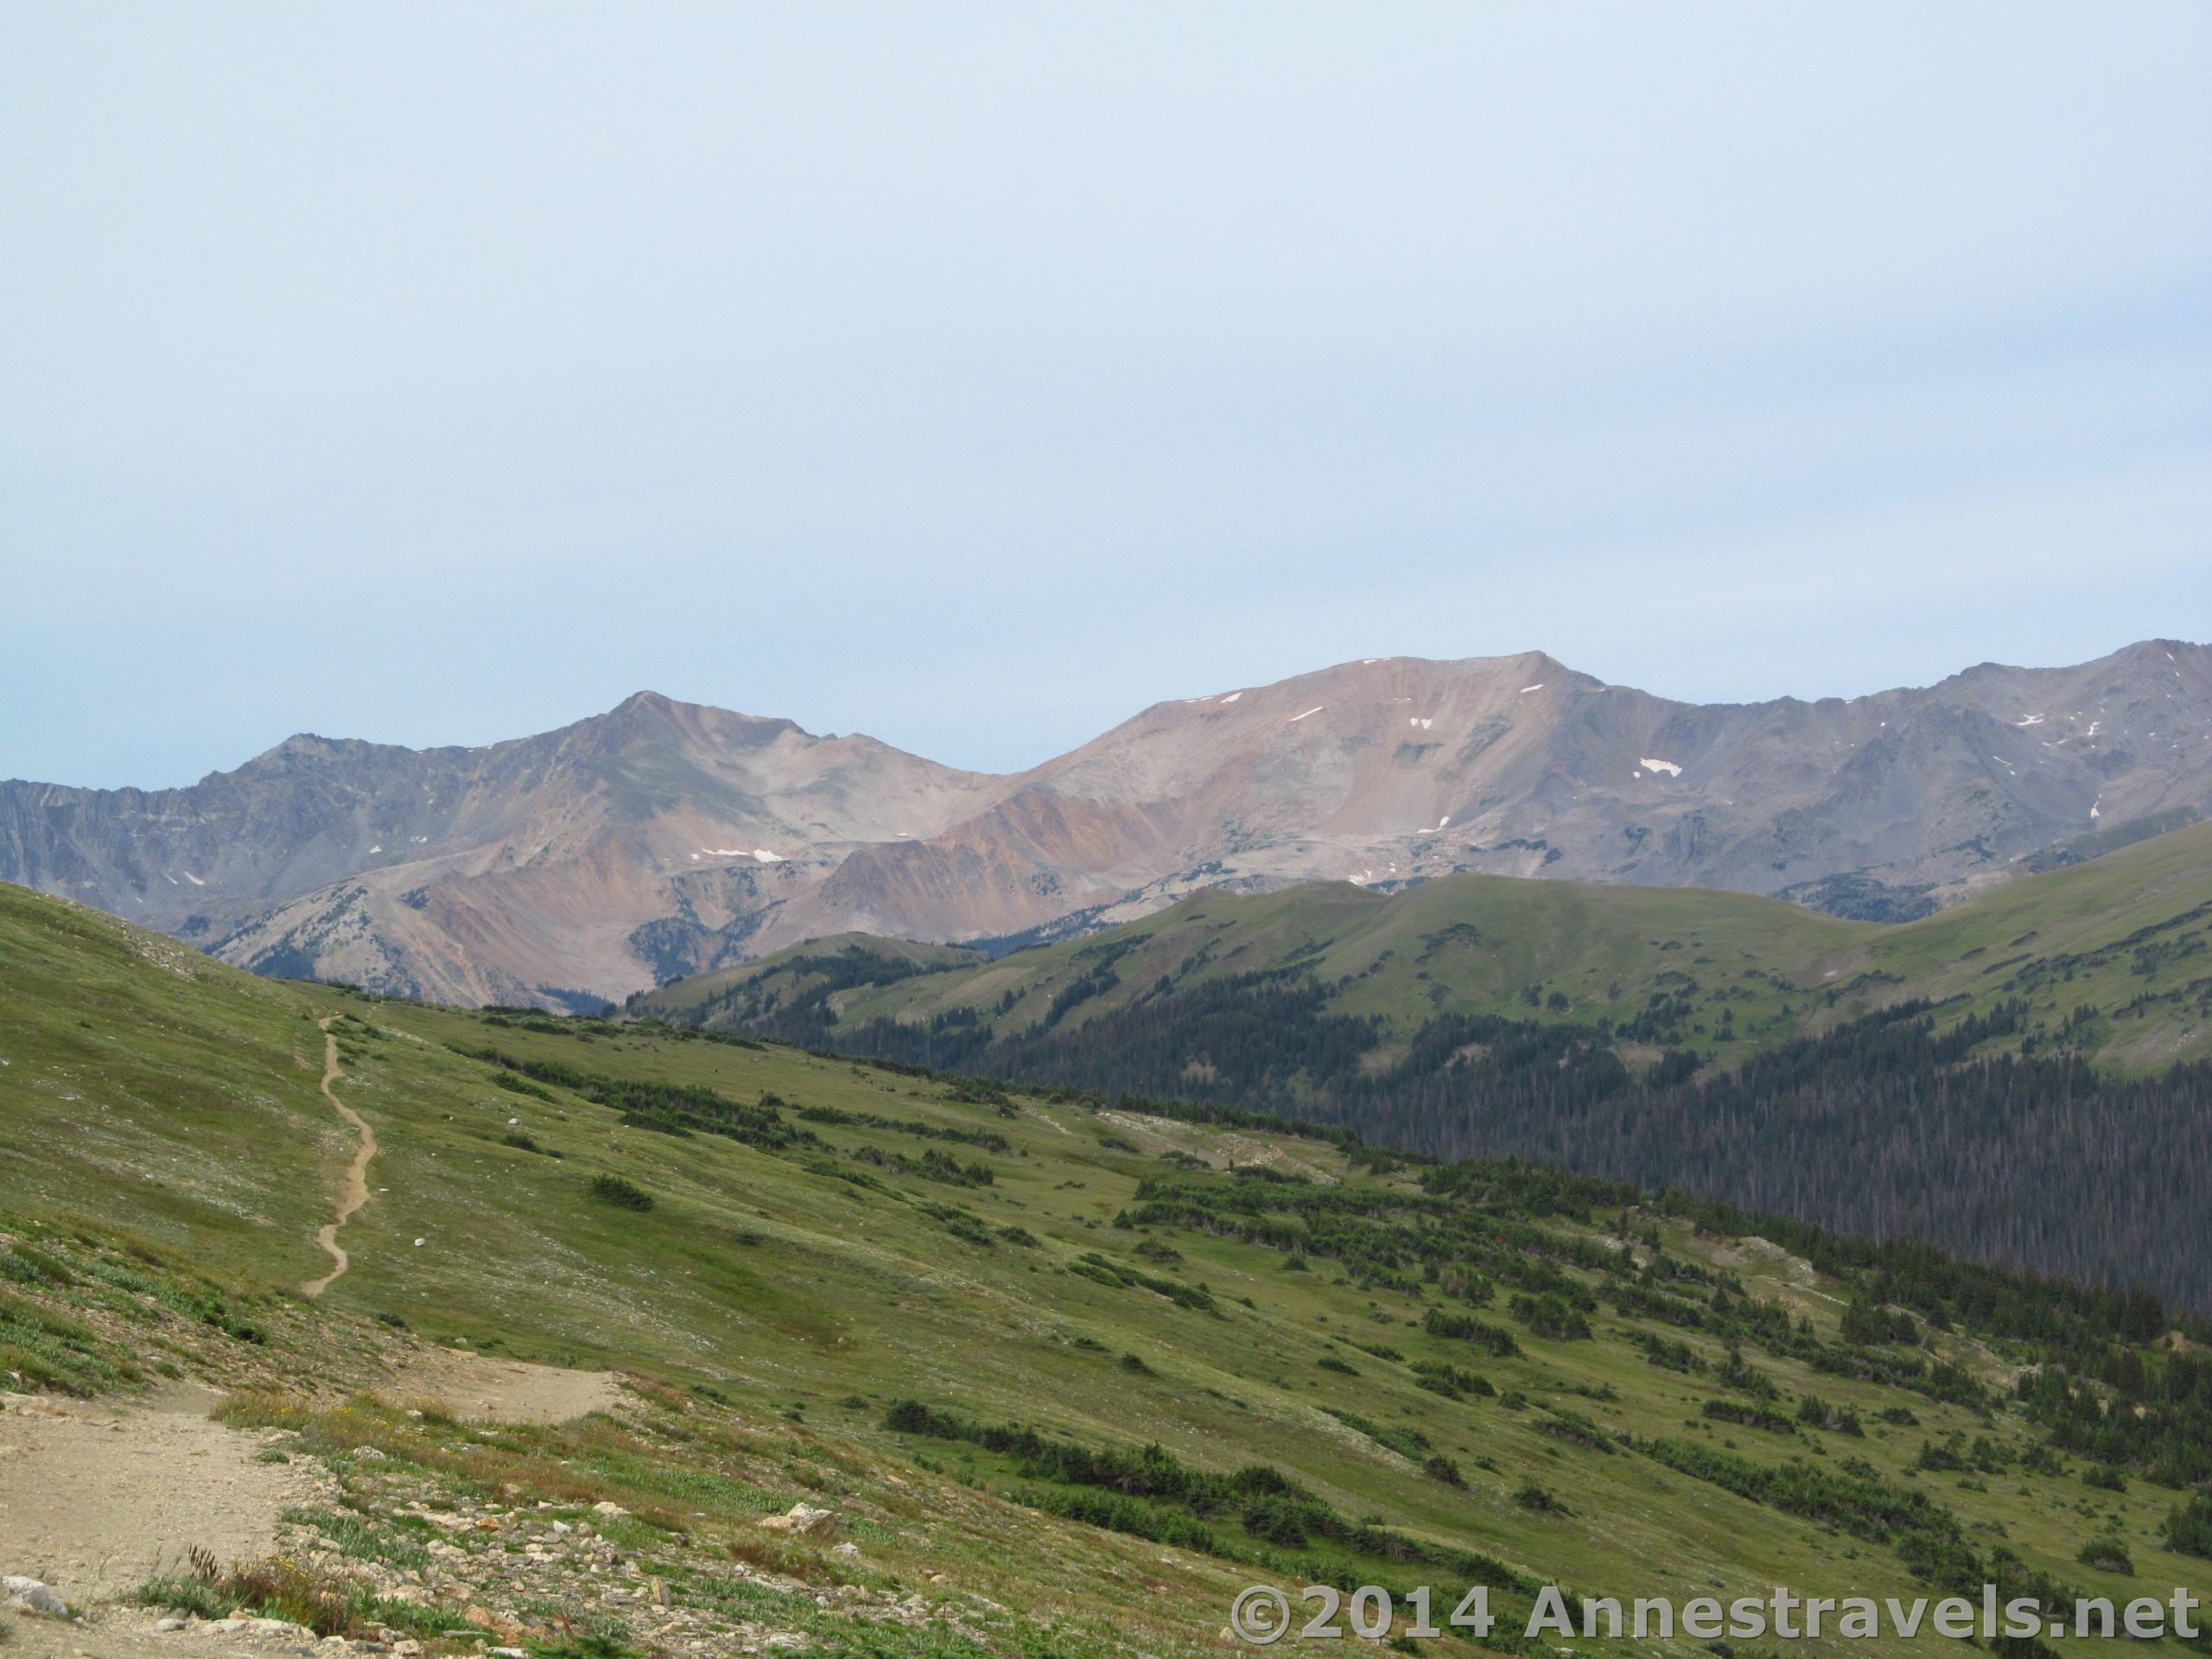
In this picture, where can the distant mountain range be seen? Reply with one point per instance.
(665, 838)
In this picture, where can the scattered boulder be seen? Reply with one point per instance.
(33, 1597)
(802, 1519)
(501, 1629)
(605, 1506)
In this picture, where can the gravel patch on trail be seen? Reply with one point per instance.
(97, 1497)
(480, 1388)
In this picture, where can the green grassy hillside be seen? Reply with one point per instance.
(2122, 935)
(2023, 1077)
(961, 1315)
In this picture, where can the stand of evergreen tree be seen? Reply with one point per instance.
(1892, 1127)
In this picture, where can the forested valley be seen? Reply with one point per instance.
(1987, 1135)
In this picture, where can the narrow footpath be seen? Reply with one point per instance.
(355, 1191)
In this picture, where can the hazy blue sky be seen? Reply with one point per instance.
(974, 376)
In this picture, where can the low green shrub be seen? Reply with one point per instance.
(625, 1194)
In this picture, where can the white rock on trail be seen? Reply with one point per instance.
(33, 1597)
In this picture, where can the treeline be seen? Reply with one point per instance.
(794, 1002)
(2157, 1422)
(1255, 1514)
(1466, 1236)
(671, 1108)
(2041, 1164)
(1251, 1039)
(1888, 1128)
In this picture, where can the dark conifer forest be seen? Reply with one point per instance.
(1888, 1126)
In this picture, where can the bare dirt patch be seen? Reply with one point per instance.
(476, 1387)
(96, 1497)
(1215, 1146)
(1761, 1260)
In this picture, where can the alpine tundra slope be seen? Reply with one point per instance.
(911, 1365)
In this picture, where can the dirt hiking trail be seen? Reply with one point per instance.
(355, 1192)
(96, 1497)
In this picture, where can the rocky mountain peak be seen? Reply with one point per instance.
(664, 836)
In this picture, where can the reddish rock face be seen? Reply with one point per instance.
(665, 838)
